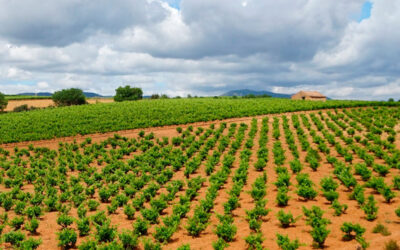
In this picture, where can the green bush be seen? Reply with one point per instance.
(129, 211)
(339, 208)
(32, 225)
(140, 227)
(397, 212)
(254, 241)
(67, 238)
(286, 219)
(350, 228)
(128, 94)
(14, 238)
(106, 232)
(68, 97)
(380, 228)
(226, 230)
(286, 244)
(21, 108)
(195, 226)
(17, 222)
(3, 102)
(129, 240)
(93, 204)
(220, 244)
(370, 209)
(64, 220)
(392, 245)
(282, 197)
(30, 244)
(83, 226)
(163, 234)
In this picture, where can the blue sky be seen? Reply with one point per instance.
(174, 3)
(365, 11)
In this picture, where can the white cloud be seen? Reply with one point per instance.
(204, 48)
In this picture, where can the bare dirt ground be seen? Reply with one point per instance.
(44, 103)
(270, 225)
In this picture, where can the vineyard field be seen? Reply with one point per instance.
(324, 178)
(87, 119)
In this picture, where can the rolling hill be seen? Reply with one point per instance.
(244, 92)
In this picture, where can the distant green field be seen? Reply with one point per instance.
(25, 97)
(107, 117)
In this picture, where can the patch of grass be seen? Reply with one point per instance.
(391, 245)
(380, 228)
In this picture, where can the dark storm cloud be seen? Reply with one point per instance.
(202, 47)
(62, 22)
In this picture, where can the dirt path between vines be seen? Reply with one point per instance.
(131, 133)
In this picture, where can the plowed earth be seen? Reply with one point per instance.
(270, 225)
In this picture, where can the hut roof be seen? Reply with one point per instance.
(315, 94)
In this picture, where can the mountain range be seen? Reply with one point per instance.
(238, 92)
(244, 92)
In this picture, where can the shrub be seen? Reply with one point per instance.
(129, 212)
(3, 102)
(163, 234)
(282, 197)
(67, 238)
(286, 219)
(370, 209)
(129, 240)
(391, 245)
(14, 237)
(64, 220)
(32, 225)
(295, 166)
(387, 193)
(68, 97)
(150, 214)
(319, 232)
(286, 244)
(195, 226)
(21, 108)
(397, 212)
(128, 94)
(105, 232)
(220, 244)
(30, 243)
(99, 218)
(184, 247)
(339, 208)
(140, 227)
(17, 222)
(380, 228)
(148, 244)
(254, 241)
(83, 226)
(319, 235)
(81, 211)
(348, 228)
(93, 204)
(104, 194)
(226, 230)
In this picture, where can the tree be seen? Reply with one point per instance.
(68, 97)
(128, 93)
(3, 102)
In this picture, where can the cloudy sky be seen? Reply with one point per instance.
(348, 49)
